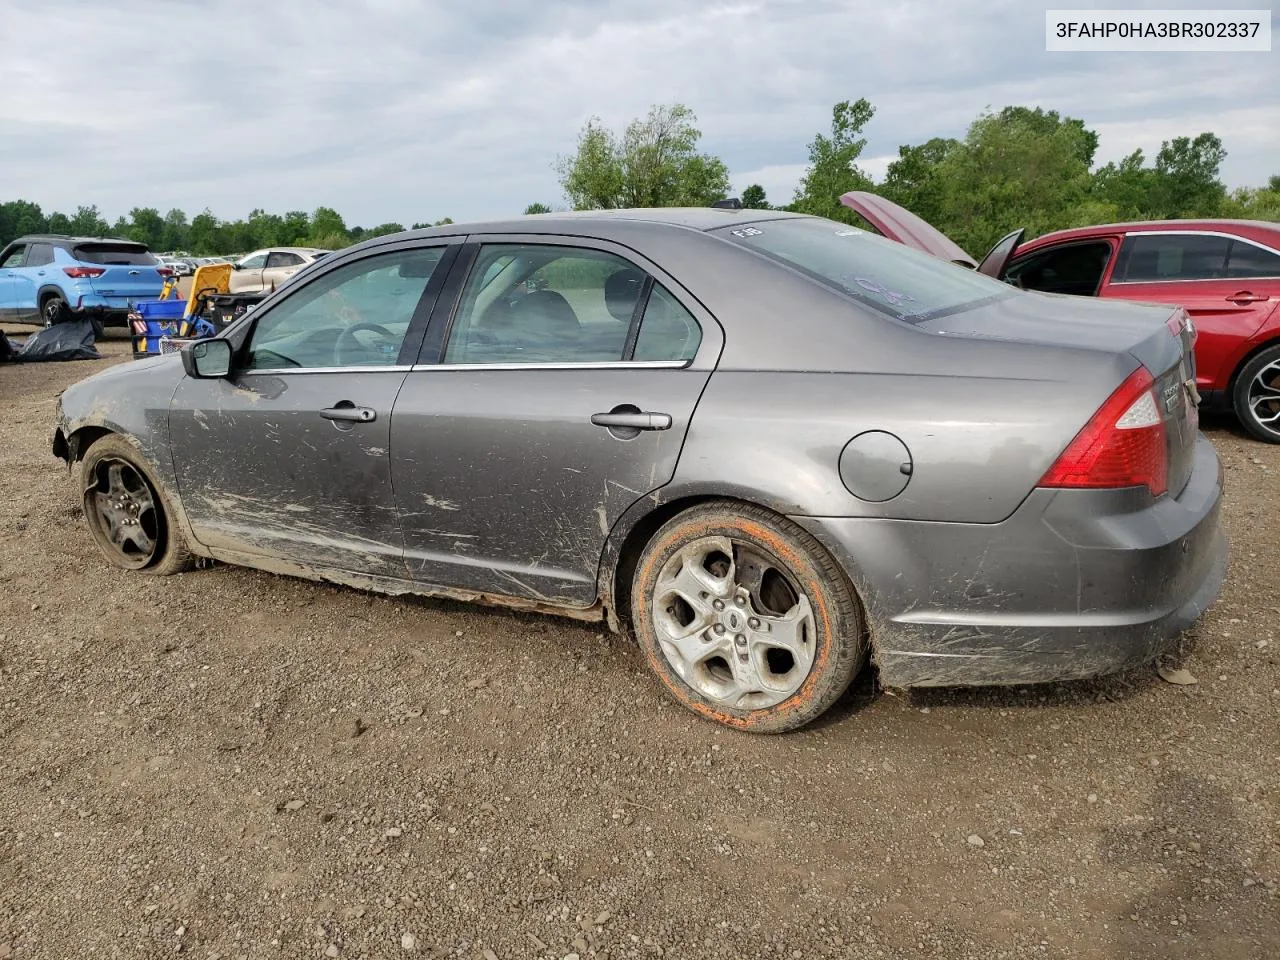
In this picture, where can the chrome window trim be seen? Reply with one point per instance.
(352, 368)
(585, 365)
(1196, 233)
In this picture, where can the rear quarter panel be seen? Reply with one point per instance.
(978, 444)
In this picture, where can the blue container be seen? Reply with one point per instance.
(150, 320)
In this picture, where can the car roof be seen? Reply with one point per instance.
(600, 223)
(63, 238)
(1243, 228)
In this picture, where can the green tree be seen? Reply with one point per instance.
(1186, 178)
(914, 180)
(328, 229)
(654, 163)
(268, 228)
(88, 222)
(58, 223)
(176, 230)
(383, 229)
(18, 217)
(1016, 168)
(753, 198)
(1125, 186)
(146, 226)
(536, 208)
(202, 235)
(833, 169)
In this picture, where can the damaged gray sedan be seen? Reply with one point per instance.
(770, 445)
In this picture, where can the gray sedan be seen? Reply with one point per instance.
(771, 445)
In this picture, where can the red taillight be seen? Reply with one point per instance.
(164, 271)
(1123, 445)
(84, 273)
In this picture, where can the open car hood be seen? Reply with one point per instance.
(898, 223)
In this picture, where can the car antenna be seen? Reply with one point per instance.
(731, 203)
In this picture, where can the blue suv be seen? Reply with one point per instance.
(47, 279)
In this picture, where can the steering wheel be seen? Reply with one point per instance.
(346, 339)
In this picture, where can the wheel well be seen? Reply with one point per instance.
(639, 537)
(1244, 361)
(48, 294)
(80, 441)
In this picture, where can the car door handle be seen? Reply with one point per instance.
(350, 413)
(1245, 296)
(635, 421)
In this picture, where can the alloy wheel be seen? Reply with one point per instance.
(732, 623)
(123, 509)
(1264, 397)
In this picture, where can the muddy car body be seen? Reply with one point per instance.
(770, 443)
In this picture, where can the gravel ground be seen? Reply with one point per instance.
(231, 764)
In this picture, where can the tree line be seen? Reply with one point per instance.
(1018, 167)
(203, 235)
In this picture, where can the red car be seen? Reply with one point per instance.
(1225, 273)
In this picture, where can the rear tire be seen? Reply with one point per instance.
(745, 618)
(1256, 396)
(127, 512)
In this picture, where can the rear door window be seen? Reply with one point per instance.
(40, 255)
(1249, 260)
(543, 303)
(894, 279)
(1155, 257)
(115, 254)
(281, 259)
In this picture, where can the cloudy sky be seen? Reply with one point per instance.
(409, 110)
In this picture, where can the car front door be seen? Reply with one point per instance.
(287, 457)
(11, 279)
(1219, 279)
(554, 391)
(247, 276)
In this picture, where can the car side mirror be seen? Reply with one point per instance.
(207, 359)
(235, 266)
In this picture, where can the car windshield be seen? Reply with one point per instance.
(115, 254)
(906, 284)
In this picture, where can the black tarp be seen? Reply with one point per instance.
(62, 341)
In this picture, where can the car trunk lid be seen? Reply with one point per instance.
(900, 224)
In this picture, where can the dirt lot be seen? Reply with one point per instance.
(231, 764)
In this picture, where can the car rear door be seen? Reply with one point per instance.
(280, 266)
(287, 458)
(557, 380)
(1220, 280)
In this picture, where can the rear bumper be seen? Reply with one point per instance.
(1076, 584)
(112, 311)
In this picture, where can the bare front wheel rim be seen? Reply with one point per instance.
(123, 511)
(1264, 397)
(733, 624)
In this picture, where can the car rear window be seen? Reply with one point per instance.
(906, 284)
(114, 254)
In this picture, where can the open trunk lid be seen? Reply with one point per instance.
(900, 224)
